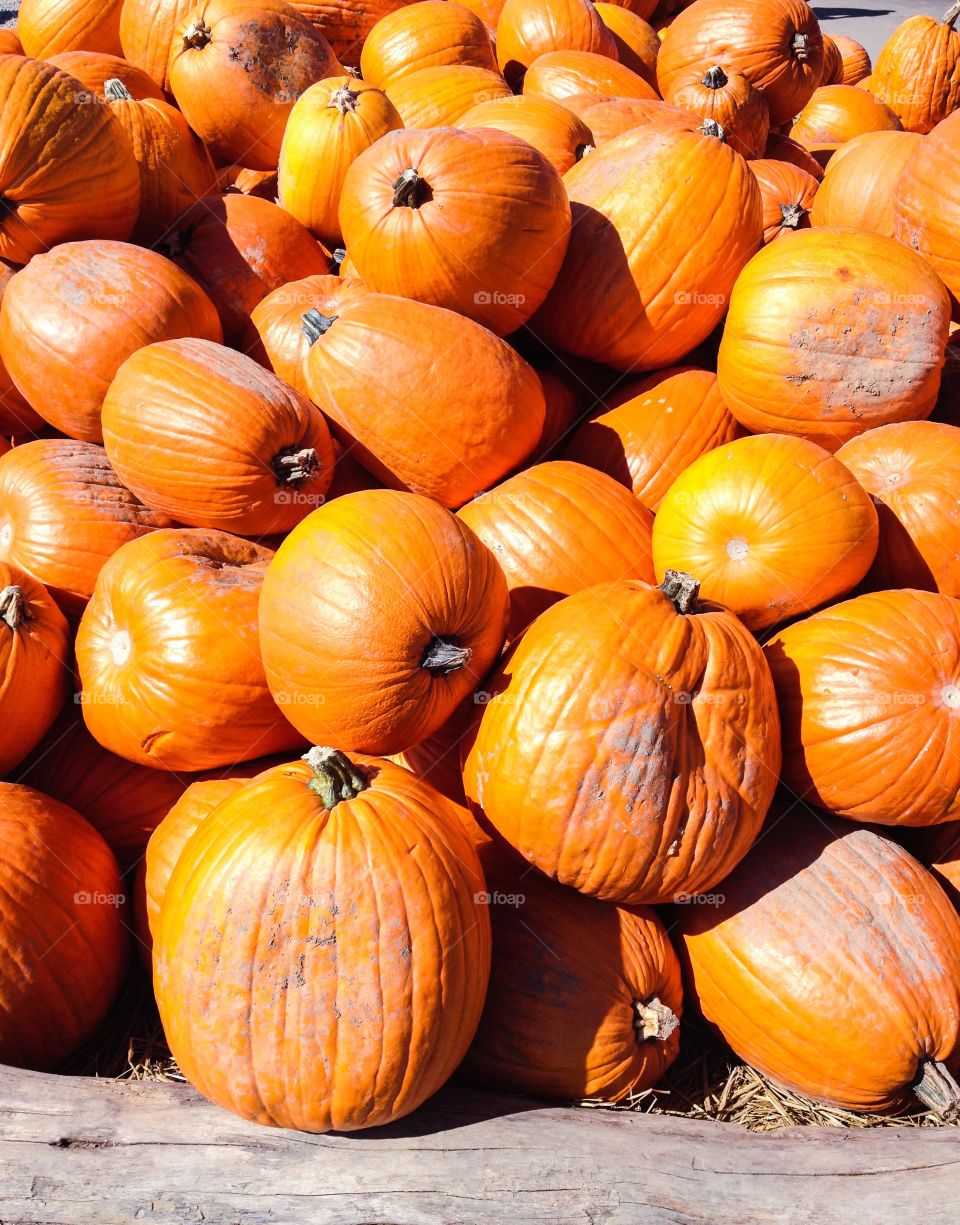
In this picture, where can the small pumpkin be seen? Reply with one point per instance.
(860, 181)
(728, 106)
(838, 113)
(788, 194)
(147, 29)
(926, 202)
(610, 117)
(45, 27)
(428, 34)
(551, 128)
(636, 40)
(439, 97)
(782, 149)
(94, 68)
(855, 59)
(527, 29)
(917, 73)
(561, 74)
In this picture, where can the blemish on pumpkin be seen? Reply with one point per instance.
(844, 274)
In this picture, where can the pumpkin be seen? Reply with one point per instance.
(776, 44)
(584, 996)
(315, 859)
(63, 512)
(788, 194)
(68, 170)
(474, 221)
(34, 663)
(643, 9)
(72, 316)
(261, 183)
(832, 333)
(62, 941)
(653, 429)
(10, 43)
(858, 1018)
(94, 68)
(938, 848)
(912, 471)
(926, 202)
(917, 72)
(782, 149)
(610, 117)
(487, 10)
(832, 63)
(947, 408)
(854, 58)
(636, 40)
(772, 525)
(209, 437)
(527, 29)
(240, 248)
(563, 407)
(329, 127)
(558, 528)
(345, 24)
(45, 27)
(16, 415)
(860, 180)
(168, 653)
(560, 74)
(236, 69)
(552, 129)
(838, 113)
(147, 29)
(663, 222)
(365, 370)
(869, 694)
(430, 34)
(605, 752)
(436, 760)
(439, 97)
(729, 106)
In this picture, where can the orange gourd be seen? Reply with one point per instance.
(552, 129)
(832, 63)
(782, 149)
(926, 202)
(838, 113)
(16, 415)
(562, 74)
(94, 68)
(860, 181)
(527, 29)
(46, 27)
(917, 73)
(788, 194)
(636, 40)
(854, 58)
(610, 117)
(438, 97)
(147, 29)
(727, 105)
(345, 24)
(429, 34)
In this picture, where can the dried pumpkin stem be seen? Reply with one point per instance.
(951, 15)
(710, 127)
(13, 607)
(444, 655)
(654, 1019)
(800, 46)
(295, 465)
(409, 190)
(314, 325)
(791, 215)
(116, 91)
(715, 78)
(937, 1089)
(582, 150)
(344, 100)
(682, 589)
(335, 777)
(197, 34)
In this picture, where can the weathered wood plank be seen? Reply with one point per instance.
(80, 1151)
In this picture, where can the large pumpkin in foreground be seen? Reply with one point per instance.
(321, 957)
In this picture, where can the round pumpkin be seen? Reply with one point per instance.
(72, 317)
(822, 936)
(926, 202)
(94, 68)
(728, 106)
(62, 939)
(610, 117)
(9, 42)
(772, 526)
(551, 128)
(63, 512)
(788, 194)
(917, 73)
(147, 29)
(68, 170)
(450, 436)
(429, 34)
(838, 113)
(637, 43)
(855, 59)
(45, 27)
(561, 74)
(831, 333)
(832, 63)
(527, 29)
(663, 222)
(329, 127)
(345, 24)
(653, 429)
(860, 181)
(293, 877)
(605, 753)
(782, 149)
(16, 415)
(776, 44)
(236, 69)
(439, 97)
(209, 437)
(869, 694)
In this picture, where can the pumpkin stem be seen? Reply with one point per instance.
(410, 190)
(13, 607)
(951, 15)
(339, 255)
(582, 150)
(197, 34)
(715, 78)
(800, 46)
(116, 91)
(710, 127)
(654, 1019)
(937, 1089)
(344, 100)
(292, 466)
(443, 656)
(335, 777)
(314, 325)
(791, 215)
(682, 589)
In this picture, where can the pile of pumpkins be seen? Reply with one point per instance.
(480, 545)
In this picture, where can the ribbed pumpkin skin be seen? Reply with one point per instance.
(366, 375)
(605, 753)
(202, 434)
(926, 202)
(439, 97)
(917, 73)
(63, 512)
(788, 194)
(608, 118)
(429, 34)
(345, 638)
(728, 100)
(9, 42)
(754, 37)
(73, 316)
(869, 694)
(330, 125)
(772, 526)
(654, 429)
(94, 68)
(16, 415)
(345, 24)
(912, 472)
(860, 181)
(663, 222)
(832, 63)
(35, 662)
(855, 59)
(527, 29)
(561, 74)
(146, 34)
(63, 948)
(236, 89)
(637, 42)
(783, 149)
(799, 1005)
(558, 528)
(838, 113)
(45, 27)
(485, 235)
(832, 333)
(67, 170)
(373, 942)
(554, 131)
(564, 405)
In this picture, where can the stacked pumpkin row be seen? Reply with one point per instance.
(483, 424)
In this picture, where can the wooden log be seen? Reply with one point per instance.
(80, 1151)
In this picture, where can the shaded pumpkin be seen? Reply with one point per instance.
(782, 149)
(94, 68)
(926, 202)
(727, 105)
(838, 113)
(428, 34)
(855, 59)
(832, 63)
(610, 117)
(561, 74)
(487, 10)
(147, 30)
(439, 97)
(551, 128)
(16, 415)
(527, 29)
(45, 27)
(10, 42)
(938, 848)
(345, 24)
(563, 408)
(247, 182)
(860, 181)
(645, 9)
(636, 40)
(917, 73)
(788, 194)
(436, 760)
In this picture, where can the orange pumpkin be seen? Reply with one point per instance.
(561, 74)
(605, 753)
(474, 221)
(860, 180)
(832, 63)
(94, 68)
(938, 848)
(384, 665)
(72, 316)
(147, 29)
(16, 415)
(917, 73)
(610, 117)
(563, 408)
(45, 27)
(636, 40)
(838, 113)
(527, 29)
(552, 129)
(429, 34)
(365, 370)
(653, 429)
(209, 437)
(728, 106)
(663, 222)
(329, 127)
(439, 97)
(436, 760)
(832, 333)
(912, 472)
(63, 512)
(869, 694)
(782, 149)
(10, 43)
(854, 58)
(788, 194)
(236, 69)
(345, 24)
(926, 202)
(740, 519)
(261, 183)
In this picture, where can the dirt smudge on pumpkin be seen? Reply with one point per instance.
(272, 54)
